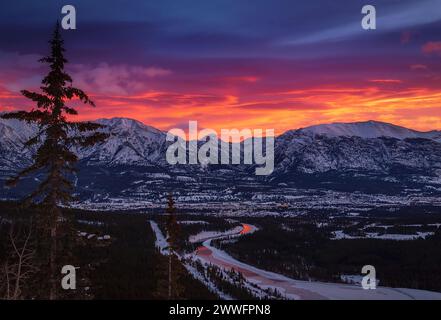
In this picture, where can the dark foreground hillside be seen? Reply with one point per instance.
(115, 254)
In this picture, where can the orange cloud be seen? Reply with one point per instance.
(414, 107)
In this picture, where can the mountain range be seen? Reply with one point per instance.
(371, 156)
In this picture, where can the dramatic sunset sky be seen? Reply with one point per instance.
(279, 64)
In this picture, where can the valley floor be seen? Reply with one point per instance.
(290, 288)
(296, 289)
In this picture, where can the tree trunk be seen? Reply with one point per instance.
(169, 275)
(52, 256)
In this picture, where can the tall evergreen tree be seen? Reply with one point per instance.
(55, 139)
(175, 289)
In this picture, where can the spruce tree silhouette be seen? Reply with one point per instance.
(175, 289)
(55, 138)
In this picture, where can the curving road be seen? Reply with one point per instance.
(296, 289)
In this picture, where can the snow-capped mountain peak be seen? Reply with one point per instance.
(368, 129)
(130, 141)
(127, 125)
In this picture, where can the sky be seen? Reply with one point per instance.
(270, 64)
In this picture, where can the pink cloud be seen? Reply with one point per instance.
(432, 47)
(406, 36)
(250, 79)
(115, 79)
(386, 81)
(153, 72)
(418, 67)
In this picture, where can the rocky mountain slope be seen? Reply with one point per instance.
(364, 156)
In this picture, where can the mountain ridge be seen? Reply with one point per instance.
(363, 129)
(326, 156)
(369, 129)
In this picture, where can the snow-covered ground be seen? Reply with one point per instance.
(296, 289)
(160, 242)
(201, 236)
(290, 288)
(192, 222)
(198, 276)
(339, 234)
